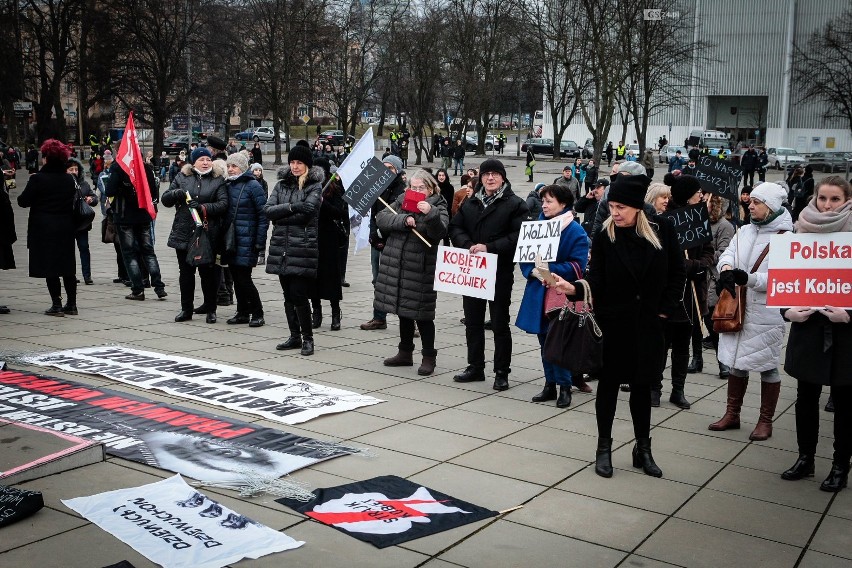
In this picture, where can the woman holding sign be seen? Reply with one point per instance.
(819, 351)
(570, 262)
(636, 276)
(404, 285)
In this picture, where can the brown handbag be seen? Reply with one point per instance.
(729, 313)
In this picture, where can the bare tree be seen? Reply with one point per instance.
(824, 63)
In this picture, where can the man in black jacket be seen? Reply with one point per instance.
(749, 163)
(133, 226)
(490, 221)
(588, 204)
(377, 241)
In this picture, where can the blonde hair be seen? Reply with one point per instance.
(428, 179)
(657, 190)
(644, 229)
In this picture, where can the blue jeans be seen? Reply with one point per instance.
(136, 248)
(553, 373)
(459, 167)
(82, 238)
(375, 255)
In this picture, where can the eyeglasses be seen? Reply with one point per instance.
(419, 188)
(489, 174)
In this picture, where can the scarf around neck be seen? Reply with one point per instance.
(812, 220)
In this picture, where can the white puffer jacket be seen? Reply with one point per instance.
(758, 346)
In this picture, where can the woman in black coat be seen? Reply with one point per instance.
(50, 229)
(636, 276)
(331, 235)
(293, 207)
(84, 191)
(200, 186)
(819, 351)
(8, 236)
(257, 154)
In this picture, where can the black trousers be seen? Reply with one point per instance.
(406, 334)
(209, 283)
(297, 289)
(678, 337)
(248, 298)
(474, 317)
(640, 408)
(807, 419)
(70, 284)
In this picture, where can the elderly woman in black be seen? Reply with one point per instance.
(819, 351)
(200, 186)
(50, 228)
(293, 207)
(636, 276)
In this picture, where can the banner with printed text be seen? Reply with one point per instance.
(189, 442)
(458, 271)
(810, 269)
(174, 525)
(278, 398)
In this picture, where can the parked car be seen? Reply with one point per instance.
(588, 148)
(830, 161)
(783, 157)
(668, 152)
(471, 142)
(539, 145)
(569, 149)
(633, 151)
(260, 134)
(174, 144)
(336, 137)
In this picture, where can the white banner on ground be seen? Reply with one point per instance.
(538, 238)
(460, 272)
(278, 398)
(174, 525)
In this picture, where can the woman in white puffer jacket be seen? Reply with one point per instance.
(757, 347)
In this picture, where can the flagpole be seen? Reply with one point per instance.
(422, 238)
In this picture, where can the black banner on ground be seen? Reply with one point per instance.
(368, 186)
(190, 442)
(721, 177)
(18, 504)
(692, 224)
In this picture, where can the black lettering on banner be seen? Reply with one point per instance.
(720, 177)
(368, 186)
(692, 224)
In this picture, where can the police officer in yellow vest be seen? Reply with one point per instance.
(722, 154)
(621, 150)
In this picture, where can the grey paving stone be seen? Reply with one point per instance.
(421, 441)
(832, 537)
(42, 525)
(520, 463)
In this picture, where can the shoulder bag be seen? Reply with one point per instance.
(574, 340)
(83, 214)
(200, 252)
(229, 241)
(555, 299)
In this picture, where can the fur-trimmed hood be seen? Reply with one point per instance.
(315, 175)
(188, 171)
(80, 171)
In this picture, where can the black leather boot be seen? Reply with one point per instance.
(501, 380)
(837, 478)
(547, 393)
(56, 308)
(696, 364)
(305, 321)
(603, 457)
(295, 340)
(470, 375)
(804, 467)
(642, 457)
(335, 318)
(564, 399)
(655, 397)
(829, 405)
(724, 371)
(677, 398)
(316, 314)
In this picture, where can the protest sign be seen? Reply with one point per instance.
(458, 271)
(282, 399)
(174, 525)
(692, 224)
(166, 436)
(388, 510)
(810, 269)
(538, 238)
(720, 177)
(364, 176)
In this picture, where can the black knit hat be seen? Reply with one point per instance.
(492, 165)
(629, 190)
(683, 187)
(216, 142)
(302, 154)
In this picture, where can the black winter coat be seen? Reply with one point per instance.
(496, 226)
(819, 351)
(246, 202)
(333, 235)
(294, 212)
(405, 283)
(698, 262)
(7, 231)
(389, 195)
(209, 190)
(125, 206)
(50, 228)
(632, 283)
(84, 190)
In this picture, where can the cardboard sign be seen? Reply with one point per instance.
(810, 269)
(720, 177)
(692, 224)
(460, 272)
(538, 238)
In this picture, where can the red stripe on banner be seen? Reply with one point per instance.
(812, 287)
(129, 157)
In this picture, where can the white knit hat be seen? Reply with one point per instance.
(772, 194)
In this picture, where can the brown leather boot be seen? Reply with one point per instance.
(403, 358)
(736, 391)
(768, 400)
(427, 367)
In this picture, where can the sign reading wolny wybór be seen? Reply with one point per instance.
(720, 177)
(810, 269)
(692, 224)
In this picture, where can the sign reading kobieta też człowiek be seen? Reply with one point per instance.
(458, 271)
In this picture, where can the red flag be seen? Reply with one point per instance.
(129, 157)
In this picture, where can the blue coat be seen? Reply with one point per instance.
(573, 246)
(578, 173)
(251, 224)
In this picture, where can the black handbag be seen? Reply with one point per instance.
(83, 214)
(574, 340)
(200, 252)
(229, 240)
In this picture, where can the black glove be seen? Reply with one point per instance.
(726, 281)
(192, 204)
(740, 276)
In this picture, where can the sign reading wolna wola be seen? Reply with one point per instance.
(538, 238)
(810, 269)
(458, 271)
